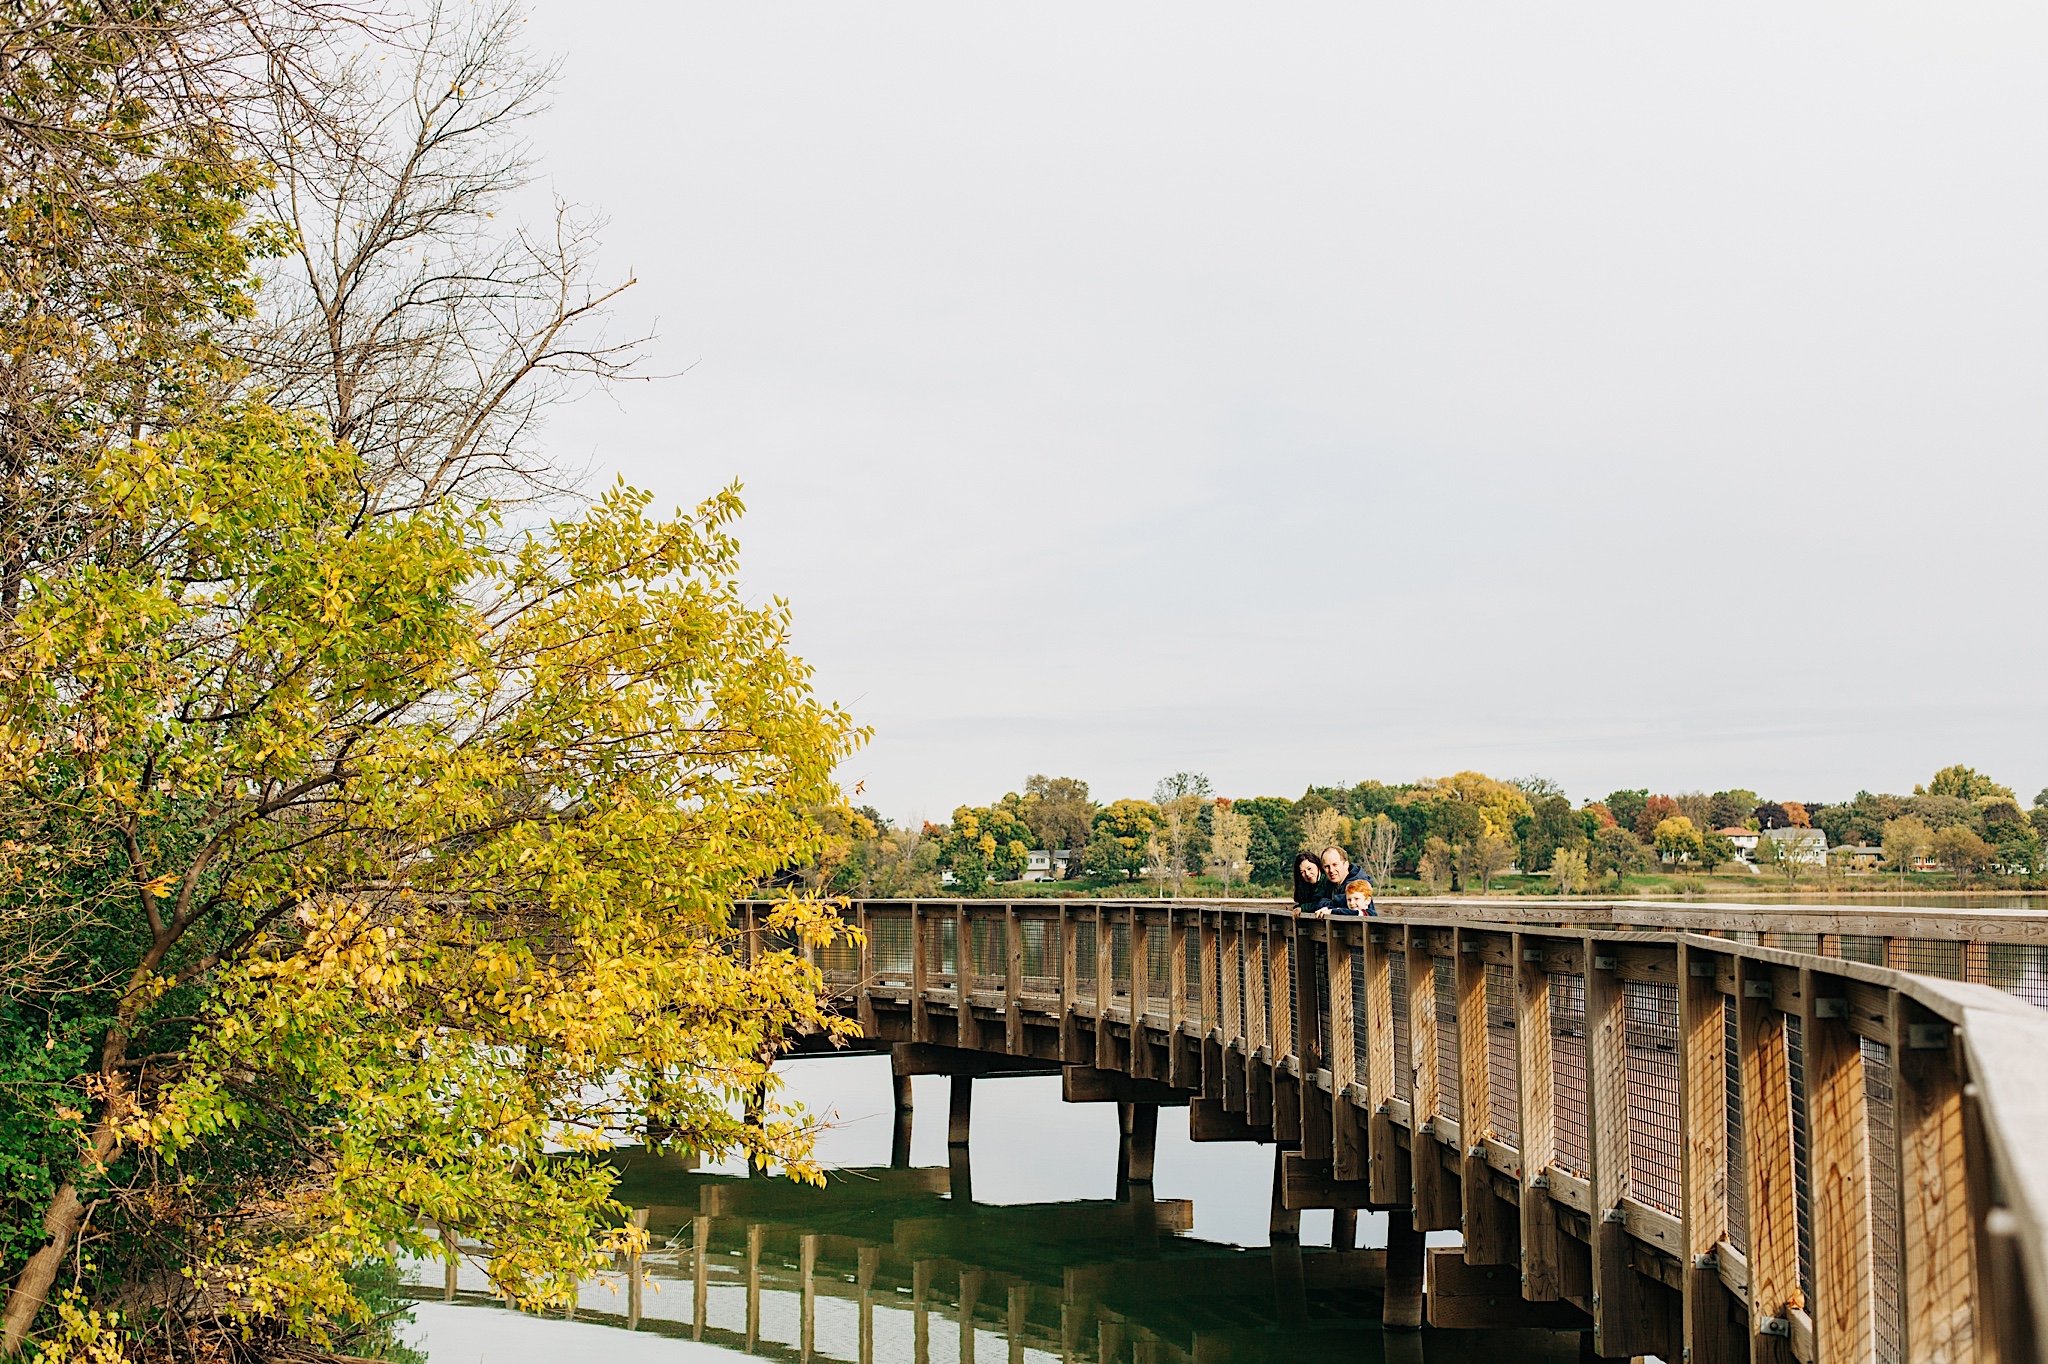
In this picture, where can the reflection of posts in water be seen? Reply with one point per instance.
(700, 1274)
(921, 1310)
(1405, 1347)
(807, 1270)
(755, 1234)
(1290, 1288)
(1109, 1340)
(970, 1295)
(1144, 1217)
(1401, 1300)
(1020, 1312)
(899, 1144)
(868, 1260)
(960, 1178)
(451, 1255)
(634, 1275)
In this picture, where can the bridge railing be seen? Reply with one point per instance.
(1729, 1148)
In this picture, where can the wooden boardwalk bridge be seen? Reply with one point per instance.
(1717, 1132)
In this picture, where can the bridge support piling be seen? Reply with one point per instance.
(960, 1111)
(899, 1140)
(1283, 1223)
(1401, 1300)
(1141, 1139)
(1343, 1229)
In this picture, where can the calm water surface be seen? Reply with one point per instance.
(1030, 1230)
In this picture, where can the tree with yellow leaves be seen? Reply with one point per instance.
(378, 865)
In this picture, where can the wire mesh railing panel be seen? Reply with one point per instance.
(1404, 1054)
(1932, 957)
(1880, 1096)
(1158, 969)
(1084, 957)
(991, 940)
(1360, 1027)
(1292, 976)
(942, 949)
(839, 960)
(1039, 941)
(1448, 1091)
(1503, 1081)
(1568, 1072)
(1863, 947)
(1119, 959)
(1738, 1168)
(1794, 942)
(1319, 975)
(1802, 1176)
(2019, 969)
(1256, 1013)
(889, 946)
(1650, 1034)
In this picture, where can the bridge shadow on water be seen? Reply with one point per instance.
(900, 1264)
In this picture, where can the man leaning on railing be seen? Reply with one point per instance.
(1346, 890)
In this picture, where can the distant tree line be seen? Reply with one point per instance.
(1455, 833)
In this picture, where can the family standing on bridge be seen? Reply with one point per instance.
(1330, 884)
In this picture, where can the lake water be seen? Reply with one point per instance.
(1056, 1262)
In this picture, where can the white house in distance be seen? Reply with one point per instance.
(1040, 865)
(1744, 841)
(1810, 845)
(1806, 846)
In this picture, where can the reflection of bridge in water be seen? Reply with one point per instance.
(896, 1264)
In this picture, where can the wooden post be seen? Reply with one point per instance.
(1940, 1284)
(1709, 1337)
(1347, 1124)
(1489, 1224)
(1387, 1180)
(1401, 1298)
(1210, 1021)
(1013, 981)
(864, 1000)
(1542, 1251)
(1141, 994)
(1233, 984)
(1436, 1207)
(1343, 1230)
(1771, 1200)
(1070, 1023)
(961, 1110)
(1627, 1318)
(1844, 1306)
(1176, 999)
(1105, 991)
(967, 1031)
(1143, 1141)
(920, 974)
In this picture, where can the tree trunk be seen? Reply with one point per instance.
(61, 1223)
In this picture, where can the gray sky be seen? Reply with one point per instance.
(1635, 394)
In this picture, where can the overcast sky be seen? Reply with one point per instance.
(1644, 395)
